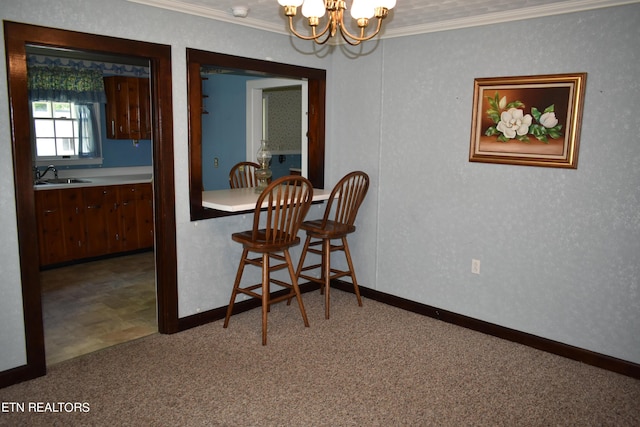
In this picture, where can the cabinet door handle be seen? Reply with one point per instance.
(50, 211)
(113, 127)
(93, 207)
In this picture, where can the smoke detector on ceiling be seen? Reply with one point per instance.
(240, 11)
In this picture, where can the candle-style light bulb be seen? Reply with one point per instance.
(313, 9)
(362, 9)
(294, 3)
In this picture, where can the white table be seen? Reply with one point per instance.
(244, 199)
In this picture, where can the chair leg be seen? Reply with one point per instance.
(265, 295)
(352, 270)
(303, 255)
(326, 273)
(236, 284)
(296, 288)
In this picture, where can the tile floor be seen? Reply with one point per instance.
(94, 305)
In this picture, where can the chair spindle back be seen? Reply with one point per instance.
(243, 175)
(347, 196)
(289, 199)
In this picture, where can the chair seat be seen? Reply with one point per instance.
(261, 244)
(331, 230)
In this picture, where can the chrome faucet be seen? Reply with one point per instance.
(49, 168)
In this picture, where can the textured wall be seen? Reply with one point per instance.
(558, 248)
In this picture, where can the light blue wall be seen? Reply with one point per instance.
(224, 129)
(119, 153)
(558, 247)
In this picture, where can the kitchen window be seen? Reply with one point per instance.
(66, 133)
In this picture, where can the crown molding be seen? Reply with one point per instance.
(210, 13)
(558, 8)
(507, 16)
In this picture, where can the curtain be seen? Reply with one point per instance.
(88, 128)
(64, 84)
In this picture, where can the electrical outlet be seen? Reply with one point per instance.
(475, 266)
(216, 162)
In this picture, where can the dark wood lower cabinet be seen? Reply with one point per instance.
(73, 224)
(78, 223)
(136, 216)
(101, 207)
(50, 228)
(144, 216)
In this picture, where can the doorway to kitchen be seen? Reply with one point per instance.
(17, 37)
(100, 300)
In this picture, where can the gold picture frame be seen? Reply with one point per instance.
(528, 120)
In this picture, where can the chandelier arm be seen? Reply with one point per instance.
(345, 33)
(317, 37)
(314, 36)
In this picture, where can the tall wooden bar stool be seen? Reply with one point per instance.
(288, 200)
(243, 175)
(337, 222)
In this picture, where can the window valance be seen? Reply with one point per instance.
(65, 84)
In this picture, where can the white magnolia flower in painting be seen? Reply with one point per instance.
(514, 122)
(548, 120)
(503, 103)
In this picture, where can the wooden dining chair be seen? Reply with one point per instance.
(275, 230)
(243, 175)
(337, 222)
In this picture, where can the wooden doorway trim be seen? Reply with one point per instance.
(17, 36)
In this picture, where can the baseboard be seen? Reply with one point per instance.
(585, 356)
(20, 374)
(208, 316)
(575, 353)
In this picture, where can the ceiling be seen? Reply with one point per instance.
(409, 17)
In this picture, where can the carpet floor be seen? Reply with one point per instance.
(374, 365)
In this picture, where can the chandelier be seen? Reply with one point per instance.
(361, 11)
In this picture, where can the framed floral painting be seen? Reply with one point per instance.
(528, 120)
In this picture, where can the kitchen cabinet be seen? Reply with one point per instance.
(101, 218)
(128, 113)
(73, 222)
(50, 235)
(136, 216)
(79, 223)
(61, 226)
(144, 216)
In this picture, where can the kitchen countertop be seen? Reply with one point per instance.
(244, 199)
(99, 177)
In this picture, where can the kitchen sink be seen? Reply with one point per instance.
(61, 181)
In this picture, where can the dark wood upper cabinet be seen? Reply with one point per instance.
(128, 108)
